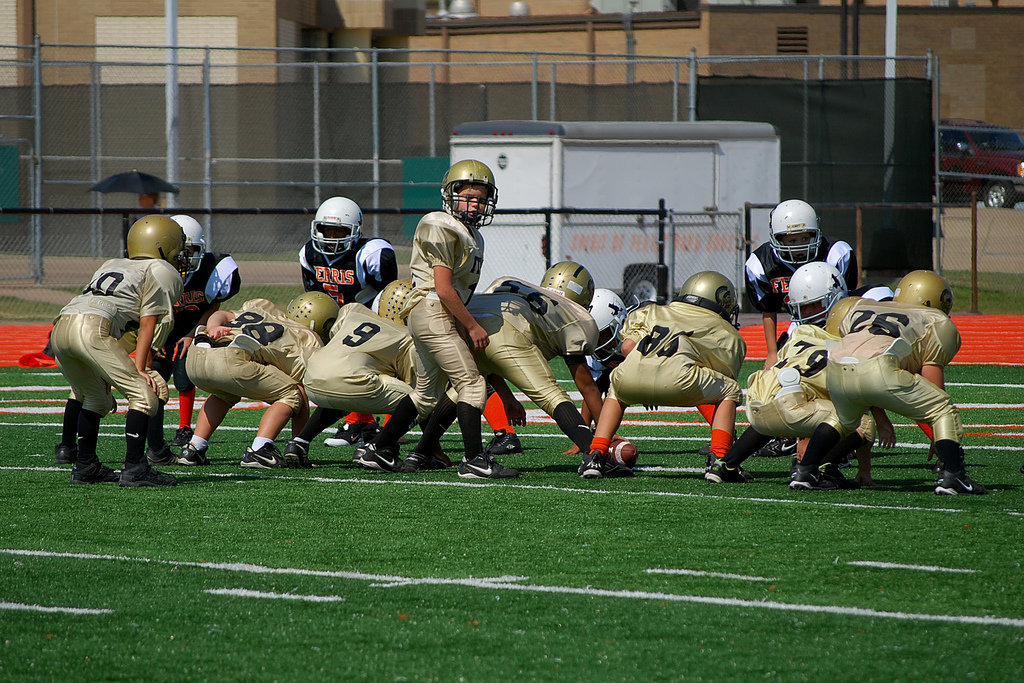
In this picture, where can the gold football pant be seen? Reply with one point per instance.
(512, 355)
(93, 361)
(879, 381)
(687, 385)
(792, 415)
(442, 355)
(352, 383)
(231, 374)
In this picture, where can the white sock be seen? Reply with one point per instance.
(198, 443)
(259, 442)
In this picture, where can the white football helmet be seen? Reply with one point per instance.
(795, 217)
(336, 212)
(609, 313)
(816, 286)
(195, 242)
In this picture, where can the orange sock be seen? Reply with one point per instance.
(720, 442)
(353, 418)
(600, 444)
(927, 429)
(708, 411)
(494, 413)
(186, 401)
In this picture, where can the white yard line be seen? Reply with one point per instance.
(514, 583)
(714, 575)
(245, 593)
(23, 607)
(914, 567)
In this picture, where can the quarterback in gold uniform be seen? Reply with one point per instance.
(892, 355)
(447, 255)
(259, 353)
(685, 353)
(133, 295)
(790, 398)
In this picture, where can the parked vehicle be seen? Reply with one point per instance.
(976, 156)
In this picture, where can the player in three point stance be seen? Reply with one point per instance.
(259, 353)
(685, 353)
(338, 261)
(212, 279)
(790, 398)
(134, 294)
(892, 355)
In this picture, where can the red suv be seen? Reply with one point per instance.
(976, 156)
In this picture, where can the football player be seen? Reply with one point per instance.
(258, 353)
(794, 239)
(447, 255)
(367, 365)
(133, 294)
(790, 398)
(528, 326)
(350, 268)
(892, 355)
(212, 279)
(685, 353)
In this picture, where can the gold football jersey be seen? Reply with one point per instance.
(681, 333)
(871, 327)
(807, 352)
(358, 329)
(441, 240)
(281, 341)
(558, 326)
(124, 290)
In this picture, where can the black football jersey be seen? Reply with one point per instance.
(369, 266)
(767, 276)
(215, 280)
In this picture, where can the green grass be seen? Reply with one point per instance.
(997, 292)
(408, 567)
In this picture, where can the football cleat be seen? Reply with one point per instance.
(720, 473)
(352, 434)
(296, 455)
(182, 437)
(958, 484)
(94, 473)
(590, 465)
(266, 457)
(381, 458)
(484, 466)
(833, 472)
(613, 469)
(811, 479)
(777, 448)
(141, 474)
(418, 462)
(190, 455)
(504, 443)
(163, 456)
(64, 455)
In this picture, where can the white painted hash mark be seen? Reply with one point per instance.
(246, 593)
(917, 567)
(716, 575)
(501, 584)
(24, 607)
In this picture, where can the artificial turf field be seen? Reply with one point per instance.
(340, 573)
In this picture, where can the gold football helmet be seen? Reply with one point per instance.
(469, 172)
(314, 310)
(712, 291)
(925, 288)
(161, 238)
(571, 280)
(391, 301)
(837, 313)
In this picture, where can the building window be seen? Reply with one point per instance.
(791, 40)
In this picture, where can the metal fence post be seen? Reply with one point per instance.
(375, 104)
(95, 150)
(316, 133)
(207, 148)
(662, 275)
(37, 159)
(552, 115)
(533, 90)
(692, 104)
(432, 113)
(974, 251)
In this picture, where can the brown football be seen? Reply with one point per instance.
(623, 451)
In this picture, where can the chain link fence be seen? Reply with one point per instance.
(278, 131)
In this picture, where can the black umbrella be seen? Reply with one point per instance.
(135, 182)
